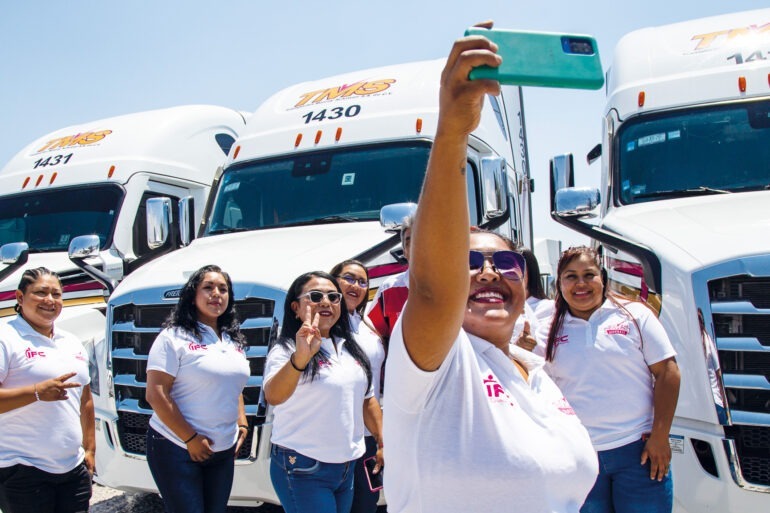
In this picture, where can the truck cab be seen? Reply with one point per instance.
(682, 220)
(304, 187)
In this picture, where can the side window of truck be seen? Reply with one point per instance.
(140, 225)
(471, 177)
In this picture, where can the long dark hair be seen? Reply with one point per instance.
(561, 307)
(29, 277)
(341, 329)
(185, 313)
(534, 283)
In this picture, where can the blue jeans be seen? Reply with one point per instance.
(624, 485)
(187, 486)
(306, 485)
(364, 500)
(25, 489)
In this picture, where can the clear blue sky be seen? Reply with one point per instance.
(70, 62)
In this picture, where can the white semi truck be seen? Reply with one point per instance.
(318, 168)
(684, 224)
(77, 201)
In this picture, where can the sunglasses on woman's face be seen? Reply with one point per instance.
(316, 296)
(509, 264)
(352, 280)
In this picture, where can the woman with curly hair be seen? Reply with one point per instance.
(196, 372)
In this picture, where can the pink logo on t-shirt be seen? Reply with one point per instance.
(196, 347)
(495, 391)
(563, 406)
(618, 329)
(564, 339)
(31, 353)
(80, 357)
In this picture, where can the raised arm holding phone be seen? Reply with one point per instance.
(480, 426)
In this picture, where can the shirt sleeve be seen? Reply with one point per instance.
(163, 355)
(407, 386)
(656, 346)
(276, 359)
(5, 357)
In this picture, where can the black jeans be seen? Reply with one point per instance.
(25, 489)
(364, 500)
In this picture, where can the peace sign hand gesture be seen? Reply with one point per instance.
(308, 339)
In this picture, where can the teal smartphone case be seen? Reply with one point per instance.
(542, 59)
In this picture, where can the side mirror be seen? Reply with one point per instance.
(493, 186)
(88, 246)
(186, 228)
(392, 216)
(158, 221)
(562, 175)
(576, 201)
(14, 255)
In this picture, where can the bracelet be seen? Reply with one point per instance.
(37, 396)
(291, 359)
(191, 438)
(243, 426)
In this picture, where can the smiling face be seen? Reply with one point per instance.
(494, 302)
(354, 293)
(41, 303)
(580, 284)
(211, 298)
(328, 313)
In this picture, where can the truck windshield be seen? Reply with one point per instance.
(708, 150)
(343, 185)
(48, 220)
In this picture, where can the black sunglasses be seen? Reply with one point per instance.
(509, 264)
(316, 296)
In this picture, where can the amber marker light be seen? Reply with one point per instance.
(26, 181)
(641, 99)
(237, 151)
(318, 136)
(111, 172)
(742, 84)
(418, 125)
(338, 135)
(39, 179)
(297, 140)
(53, 177)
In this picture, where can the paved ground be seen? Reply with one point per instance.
(109, 500)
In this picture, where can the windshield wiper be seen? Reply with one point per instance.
(228, 230)
(696, 191)
(320, 220)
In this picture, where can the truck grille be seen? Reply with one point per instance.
(132, 332)
(740, 308)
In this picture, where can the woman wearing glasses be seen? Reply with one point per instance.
(353, 279)
(320, 382)
(479, 425)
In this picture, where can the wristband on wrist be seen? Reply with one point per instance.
(37, 395)
(291, 360)
(191, 438)
(243, 426)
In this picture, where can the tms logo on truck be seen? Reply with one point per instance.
(362, 88)
(715, 40)
(82, 139)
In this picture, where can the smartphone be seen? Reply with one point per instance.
(542, 59)
(375, 480)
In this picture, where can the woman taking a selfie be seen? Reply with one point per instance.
(320, 382)
(196, 372)
(479, 425)
(353, 279)
(47, 440)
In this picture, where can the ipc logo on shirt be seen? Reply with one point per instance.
(31, 353)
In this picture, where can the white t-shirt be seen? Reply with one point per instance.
(324, 418)
(372, 345)
(475, 436)
(542, 308)
(209, 376)
(45, 434)
(603, 370)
